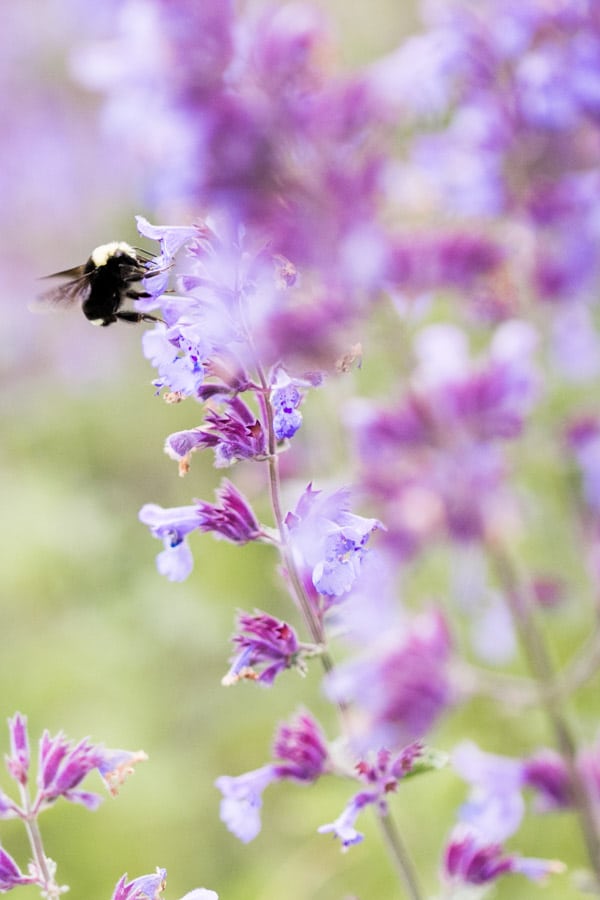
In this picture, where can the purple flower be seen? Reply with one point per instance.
(286, 397)
(268, 642)
(343, 827)
(10, 874)
(469, 859)
(234, 434)
(495, 806)
(329, 540)
(233, 519)
(171, 526)
(242, 801)
(62, 767)
(400, 684)
(434, 460)
(546, 773)
(301, 748)
(145, 887)
(381, 776)
(18, 762)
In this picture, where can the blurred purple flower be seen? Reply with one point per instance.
(470, 859)
(400, 686)
(303, 753)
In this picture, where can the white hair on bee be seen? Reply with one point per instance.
(103, 253)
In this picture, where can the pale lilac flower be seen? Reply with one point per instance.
(172, 526)
(242, 801)
(329, 540)
(301, 749)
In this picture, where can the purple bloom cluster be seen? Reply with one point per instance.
(516, 89)
(62, 766)
(434, 459)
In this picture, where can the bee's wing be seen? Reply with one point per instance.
(67, 293)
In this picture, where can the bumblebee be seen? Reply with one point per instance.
(113, 273)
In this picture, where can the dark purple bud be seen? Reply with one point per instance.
(10, 874)
(233, 519)
(18, 762)
(547, 774)
(302, 746)
(267, 641)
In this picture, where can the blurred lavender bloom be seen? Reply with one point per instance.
(518, 128)
(267, 641)
(546, 773)
(242, 801)
(329, 540)
(400, 686)
(470, 859)
(495, 806)
(434, 460)
(301, 748)
(343, 827)
(583, 438)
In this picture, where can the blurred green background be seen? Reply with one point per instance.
(94, 641)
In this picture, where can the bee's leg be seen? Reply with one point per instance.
(137, 295)
(127, 316)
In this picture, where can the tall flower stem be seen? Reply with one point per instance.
(51, 889)
(550, 696)
(397, 851)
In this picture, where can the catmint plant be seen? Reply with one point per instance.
(433, 215)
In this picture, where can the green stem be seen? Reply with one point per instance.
(550, 697)
(40, 859)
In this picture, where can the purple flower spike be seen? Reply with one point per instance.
(18, 762)
(146, 887)
(302, 746)
(242, 801)
(267, 641)
(233, 520)
(10, 874)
